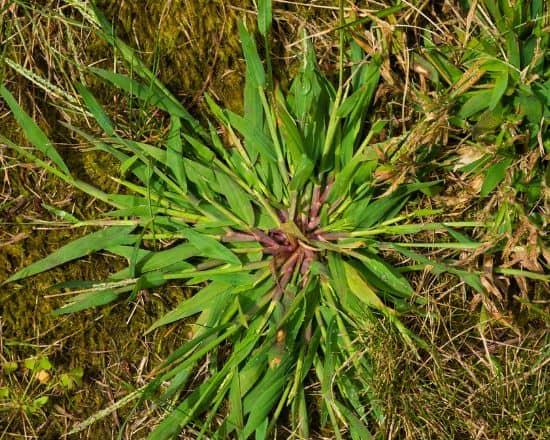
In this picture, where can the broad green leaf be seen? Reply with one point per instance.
(174, 153)
(203, 152)
(254, 115)
(150, 280)
(261, 142)
(238, 200)
(498, 91)
(337, 274)
(86, 245)
(202, 176)
(495, 65)
(478, 101)
(292, 135)
(512, 50)
(302, 173)
(129, 164)
(388, 275)
(210, 248)
(261, 430)
(360, 288)
(494, 175)
(450, 73)
(32, 131)
(252, 372)
(161, 259)
(488, 121)
(276, 185)
(352, 103)
(253, 62)
(39, 402)
(530, 106)
(343, 180)
(88, 300)
(197, 303)
(365, 215)
(38, 363)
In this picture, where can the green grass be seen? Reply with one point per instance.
(317, 240)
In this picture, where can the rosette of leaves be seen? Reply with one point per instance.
(279, 226)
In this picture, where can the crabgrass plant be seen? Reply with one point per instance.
(281, 228)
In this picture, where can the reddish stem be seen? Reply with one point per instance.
(313, 223)
(335, 205)
(283, 215)
(326, 192)
(315, 205)
(277, 250)
(264, 238)
(327, 236)
(237, 237)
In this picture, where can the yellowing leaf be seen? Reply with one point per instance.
(360, 288)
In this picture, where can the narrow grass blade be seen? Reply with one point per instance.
(264, 16)
(331, 361)
(235, 419)
(32, 131)
(159, 260)
(251, 56)
(210, 248)
(137, 66)
(149, 94)
(96, 110)
(494, 175)
(293, 136)
(357, 428)
(83, 246)
(88, 300)
(174, 153)
(197, 303)
(470, 278)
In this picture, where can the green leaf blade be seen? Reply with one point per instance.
(86, 245)
(32, 131)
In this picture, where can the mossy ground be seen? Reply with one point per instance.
(489, 382)
(110, 346)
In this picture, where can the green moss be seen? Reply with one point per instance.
(193, 47)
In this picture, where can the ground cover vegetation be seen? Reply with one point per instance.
(356, 248)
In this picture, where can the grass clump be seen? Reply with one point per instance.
(281, 221)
